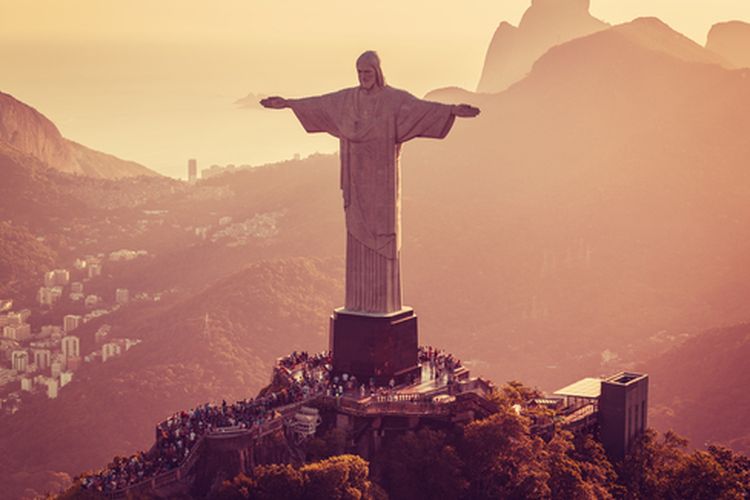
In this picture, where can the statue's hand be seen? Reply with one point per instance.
(274, 102)
(465, 111)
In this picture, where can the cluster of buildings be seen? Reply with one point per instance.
(124, 254)
(42, 361)
(215, 170)
(45, 361)
(260, 226)
(57, 280)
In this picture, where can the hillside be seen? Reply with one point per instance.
(254, 316)
(30, 132)
(545, 24)
(21, 256)
(603, 199)
(699, 388)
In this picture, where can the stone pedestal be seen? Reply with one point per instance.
(381, 346)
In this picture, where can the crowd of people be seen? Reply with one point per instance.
(298, 376)
(439, 362)
(304, 375)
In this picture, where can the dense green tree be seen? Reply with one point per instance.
(662, 469)
(700, 476)
(276, 482)
(502, 459)
(565, 472)
(646, 471)
(332, 443)
(735, 464)
(344, 477)
(236, 489)
(596, 468)
(422, 465)
(515, 392)
(268, 482)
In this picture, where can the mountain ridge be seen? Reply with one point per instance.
(545, 23)
(25, 129)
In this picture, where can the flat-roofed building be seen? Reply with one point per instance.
(42, 358)
(70, 347)
(615, 407)
(20, 361)
(27, 384)
(110, 350)
(71, 322)
(584, 392)
(56, 367)
(53, 387)
(17, 332)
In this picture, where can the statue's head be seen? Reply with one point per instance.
(369, 72)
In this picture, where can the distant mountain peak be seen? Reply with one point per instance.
(545, 23)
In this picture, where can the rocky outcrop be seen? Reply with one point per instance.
(651, 33)
(731, 40)
(545, 24)
(26, 130)
(30, 132)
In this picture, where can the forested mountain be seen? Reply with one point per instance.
(698, 388)
(219, 344)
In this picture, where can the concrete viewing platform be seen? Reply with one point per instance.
(303, 395)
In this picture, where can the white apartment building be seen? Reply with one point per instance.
(110, 350)
(42, 358)
(71, 322)
(70, 347)
(20, 361)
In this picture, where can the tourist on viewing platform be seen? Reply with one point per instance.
(303, 376)
(178, 434)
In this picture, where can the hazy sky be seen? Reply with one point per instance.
(155, 80)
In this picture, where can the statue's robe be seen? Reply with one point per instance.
(371, 128)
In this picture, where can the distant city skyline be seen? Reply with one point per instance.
(156, 83)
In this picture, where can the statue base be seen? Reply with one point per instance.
(375, 346)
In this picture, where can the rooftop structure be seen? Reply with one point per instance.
(623, 412)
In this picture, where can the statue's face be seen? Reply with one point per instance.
(366, 76)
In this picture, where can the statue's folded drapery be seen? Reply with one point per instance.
(371, 127)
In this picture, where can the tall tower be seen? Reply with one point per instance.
(623, 410)
(192, 170)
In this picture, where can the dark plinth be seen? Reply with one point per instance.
(378, 346)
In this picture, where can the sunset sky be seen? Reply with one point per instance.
(155, 81)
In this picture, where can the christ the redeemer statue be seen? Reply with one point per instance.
(372, 121)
